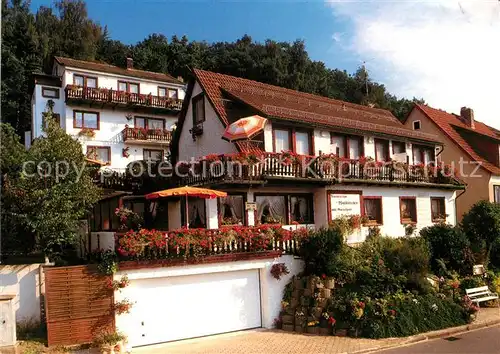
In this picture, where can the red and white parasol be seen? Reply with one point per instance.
(244, 128)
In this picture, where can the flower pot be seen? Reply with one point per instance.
(287, 319)
(317, 311)
(313, 330)
(321, 302)
(290, 311)
(288, 327)
(299, 329)
(329, 283)
(326, 293)
(325, 331)
(107, 349)
(119, 348)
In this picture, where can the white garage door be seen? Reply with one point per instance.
(174, 308)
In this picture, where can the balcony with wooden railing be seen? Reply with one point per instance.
(246, 169)
(314, 169)
(109, 97)
(143, 135)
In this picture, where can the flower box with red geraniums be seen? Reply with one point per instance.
(185, 243)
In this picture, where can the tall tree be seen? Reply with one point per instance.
(54, 192)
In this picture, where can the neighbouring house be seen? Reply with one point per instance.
(465, 139)
(118, 114)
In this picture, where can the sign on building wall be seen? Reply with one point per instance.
(344, 204)
(252, 206)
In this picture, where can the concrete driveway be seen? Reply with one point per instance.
(267, 341)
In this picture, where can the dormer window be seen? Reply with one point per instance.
(128, 87)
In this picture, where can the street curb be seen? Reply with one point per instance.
(418, 338)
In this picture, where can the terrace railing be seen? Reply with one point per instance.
(159, 135)
(103, 95)
(282, 167)
(326, 169)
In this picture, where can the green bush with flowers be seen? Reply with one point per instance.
(383, 289)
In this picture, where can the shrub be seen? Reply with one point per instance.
(397, 315)
(320, 250)
(482, 226)
(449, 244)
(495, 255)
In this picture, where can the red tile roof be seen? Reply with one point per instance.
(285, 104)
(449, 123)
(107, 68)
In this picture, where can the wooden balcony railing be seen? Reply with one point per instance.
(282, 167)
(142, 134)
(104, 95)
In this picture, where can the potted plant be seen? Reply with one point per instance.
(122, 307)
(110, 342)
(87, 132)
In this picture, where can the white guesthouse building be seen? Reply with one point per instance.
(311, 125)
(179, 301)
(118, 114)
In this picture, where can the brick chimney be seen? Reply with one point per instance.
(467, 115)
(130, 63)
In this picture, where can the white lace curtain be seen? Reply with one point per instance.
(197, 216)
(271, 207)
(231, 206)
(299, 209)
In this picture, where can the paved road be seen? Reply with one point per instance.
(482, 341)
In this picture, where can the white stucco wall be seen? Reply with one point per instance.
(39, 105)
(390, 206)
(109, 134)
(23, 281)
(104, 240)
(270, 296)
(210, 142)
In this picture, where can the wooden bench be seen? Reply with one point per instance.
(481, 294)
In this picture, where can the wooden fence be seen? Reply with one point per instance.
(78, 304)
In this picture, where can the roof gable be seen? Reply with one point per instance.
(453, 127)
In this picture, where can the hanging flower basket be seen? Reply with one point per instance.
(89, 133)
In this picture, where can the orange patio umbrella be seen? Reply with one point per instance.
(244, 128)
(187, 192)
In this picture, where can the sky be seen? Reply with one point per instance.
(445, 51)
